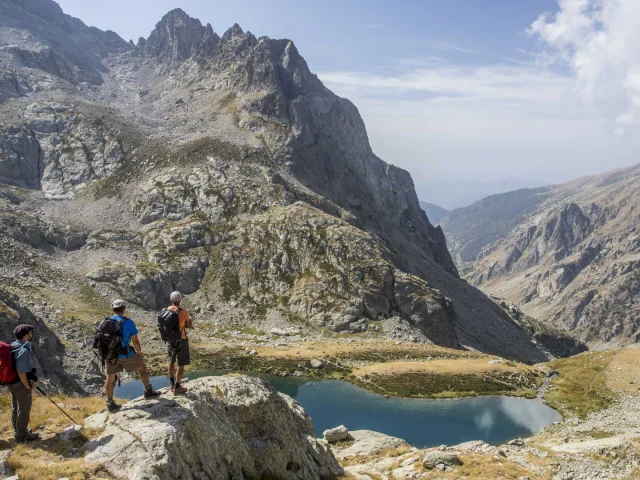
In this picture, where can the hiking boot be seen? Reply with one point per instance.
(179, 390)
(173, 387)
(151, 393)
(29, 437)
(113, 406)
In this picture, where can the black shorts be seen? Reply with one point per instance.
(179, 351)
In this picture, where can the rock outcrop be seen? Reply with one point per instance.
(57, 367)
(224, 428)
(567, 255)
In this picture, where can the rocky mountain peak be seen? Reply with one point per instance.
(234, 31)
(178, 37)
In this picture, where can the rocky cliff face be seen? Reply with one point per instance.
(226, 428)
(567, 255)
(59, 367)
(222, 167)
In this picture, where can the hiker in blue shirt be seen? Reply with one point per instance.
(130, 360)
(21, 390)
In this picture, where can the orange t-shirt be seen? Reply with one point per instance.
(184, 320)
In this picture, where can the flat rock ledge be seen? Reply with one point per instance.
(223, 428)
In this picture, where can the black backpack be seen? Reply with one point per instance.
(169, 325)
(108, 340)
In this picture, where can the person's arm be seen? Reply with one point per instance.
(136, 344)
(187, 322)
(25, 381)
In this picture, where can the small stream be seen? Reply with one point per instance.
(421, 422)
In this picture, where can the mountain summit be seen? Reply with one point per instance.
(178, 37)
(223, 168)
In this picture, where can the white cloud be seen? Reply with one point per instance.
(600, 41)
(497, 83)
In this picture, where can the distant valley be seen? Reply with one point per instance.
(568, 255)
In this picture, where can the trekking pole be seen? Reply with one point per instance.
(69, 417)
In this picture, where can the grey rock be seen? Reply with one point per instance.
(71, 432)
(5, 468)
(366, 442)
(336, 434)
(435, 458)
(226, 427)
(315, 363)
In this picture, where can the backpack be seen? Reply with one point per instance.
(8, 373)
(108, 341)
(169, 325)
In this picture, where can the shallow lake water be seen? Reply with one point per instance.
(421, 422)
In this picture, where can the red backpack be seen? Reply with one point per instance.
(8, 373)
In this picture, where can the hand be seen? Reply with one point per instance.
(33, 384)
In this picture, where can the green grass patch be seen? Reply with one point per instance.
(581, 386)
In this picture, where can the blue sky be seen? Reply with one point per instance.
(472, 97)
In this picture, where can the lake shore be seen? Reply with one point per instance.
(382, 366)
(600, 435)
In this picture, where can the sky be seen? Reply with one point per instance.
(471, 97)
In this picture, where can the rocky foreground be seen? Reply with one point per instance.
(240, 427)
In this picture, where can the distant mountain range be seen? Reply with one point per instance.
(434, 212)
(568, 255)
(454, 193)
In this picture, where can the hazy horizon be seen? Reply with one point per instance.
(460, 94)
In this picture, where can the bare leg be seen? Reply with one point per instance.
(144, 375)
(172, 370)
(180, 373)
(109, 384)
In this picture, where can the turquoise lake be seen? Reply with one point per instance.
(421, 422)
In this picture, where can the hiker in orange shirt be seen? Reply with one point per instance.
(177, 341)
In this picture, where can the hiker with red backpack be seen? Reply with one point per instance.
(113, 340)
(172, 323)
(17, 372)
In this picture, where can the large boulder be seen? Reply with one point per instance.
(336, 434)
(438, 457)
(224, 428)
(367, 442)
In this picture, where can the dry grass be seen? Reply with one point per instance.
(45, 417)
(41, 463)
(374, 351)
(485, 467)
(622, 372)
(386, 453)
(52, 458)
(446, 366)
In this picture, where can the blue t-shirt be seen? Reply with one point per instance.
(128, 330)
(22, 355)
